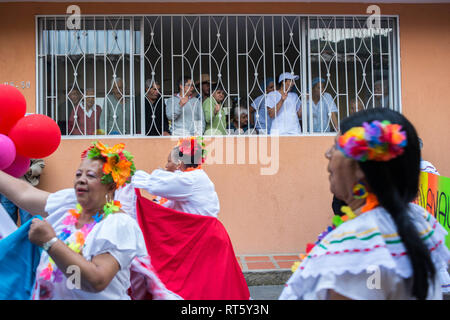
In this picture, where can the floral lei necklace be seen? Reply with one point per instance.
(371, 202)
(77, 242)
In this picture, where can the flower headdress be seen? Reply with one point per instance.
(376, 141)
(189, 147)
(119, 166)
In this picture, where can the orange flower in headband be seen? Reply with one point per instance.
(119, 166)
(119, 170)
(105, 151)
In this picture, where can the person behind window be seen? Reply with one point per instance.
(239, 123)
(283, 107)
(115, 117)
(324, 110)
(354, 105)
(262, 121)
(215, 117)
(72, 100)
(184, 111)
(85, 117)
(381, 94)
(205, 87)
(156, 123)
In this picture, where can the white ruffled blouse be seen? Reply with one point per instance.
(118, 234)
(190, 192)
(365, 259)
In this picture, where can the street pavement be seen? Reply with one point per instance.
(265, 292)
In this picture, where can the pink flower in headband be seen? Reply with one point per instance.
(376, 141)
(189, 146)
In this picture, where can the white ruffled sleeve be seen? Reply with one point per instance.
(376, 284)
(170, 185)
(118, 235)
(347, 257)
(127, 198)
(58, 203)
(64, 198)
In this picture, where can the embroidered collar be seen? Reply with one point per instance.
(371, 203)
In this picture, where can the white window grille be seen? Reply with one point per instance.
(126, 70)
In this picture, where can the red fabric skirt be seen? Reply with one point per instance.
(192, 254)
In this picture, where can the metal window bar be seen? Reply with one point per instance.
(241, 80)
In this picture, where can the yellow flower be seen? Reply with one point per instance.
(75, 247)
(295, 266)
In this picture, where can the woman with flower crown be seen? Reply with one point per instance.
(183, 185)
(383, 247)
(190, 248)
(89, 242)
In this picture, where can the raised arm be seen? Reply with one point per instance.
(274, 109)
(23, 194)
(208, 110)
(166, 184)
(95, 275)
(173, 109)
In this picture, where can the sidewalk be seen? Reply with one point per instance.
(267, 269)
(267, 262)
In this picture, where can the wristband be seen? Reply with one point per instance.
(46, 246)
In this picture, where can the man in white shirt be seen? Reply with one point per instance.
(283, 107)
(324, 110)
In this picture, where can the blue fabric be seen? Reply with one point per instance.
(19, 259)
(11, 208)
(316, 81)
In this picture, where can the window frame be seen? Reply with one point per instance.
(396, 65)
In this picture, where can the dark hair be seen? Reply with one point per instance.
(395, 183)
(336, 205)
(182, 80)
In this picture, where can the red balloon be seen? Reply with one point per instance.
(35, 136)
(12, 107)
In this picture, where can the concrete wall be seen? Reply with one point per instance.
(262, 213)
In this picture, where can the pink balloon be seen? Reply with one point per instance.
(19, 167)
(8, 151)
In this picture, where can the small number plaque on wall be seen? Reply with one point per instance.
(19, 84)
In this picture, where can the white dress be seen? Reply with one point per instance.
(118, 234)
(365, 259)
(190, 192)
(7, 225)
